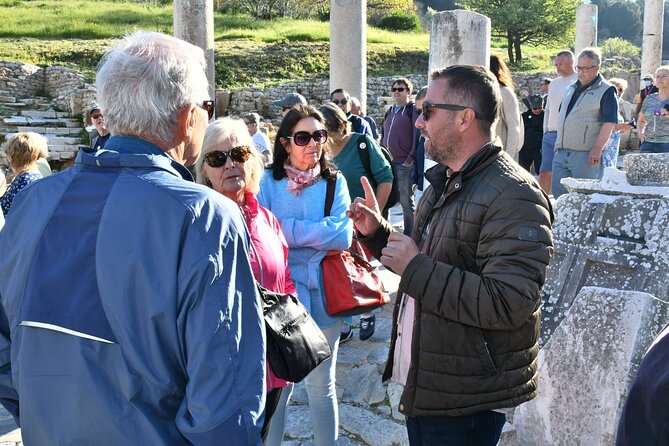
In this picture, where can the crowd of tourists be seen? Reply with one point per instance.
(133, 290)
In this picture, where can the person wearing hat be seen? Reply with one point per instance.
(647, 88)
(101, 134)
(288, 102)
(260, 139)
(533, 121)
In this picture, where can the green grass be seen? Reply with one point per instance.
(80, 19)
(75, 33)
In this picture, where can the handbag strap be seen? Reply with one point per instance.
(329, 196)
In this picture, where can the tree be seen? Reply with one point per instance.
(619, 19)
(527, 21)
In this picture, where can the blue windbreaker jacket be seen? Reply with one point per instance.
(129, 312)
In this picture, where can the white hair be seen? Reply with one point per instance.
(145, 80)
(225, 134)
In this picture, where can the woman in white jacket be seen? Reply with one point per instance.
(510, 124)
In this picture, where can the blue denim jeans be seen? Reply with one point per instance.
(572, 163)
(479, 429)
(405, 183)
(547, 151)
(322, 395)
(654, 147)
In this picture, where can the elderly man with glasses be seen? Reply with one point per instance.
(466, 322)
(588, 114)
(129, 313)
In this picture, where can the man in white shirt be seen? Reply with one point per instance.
(564, 64)
(260, 139)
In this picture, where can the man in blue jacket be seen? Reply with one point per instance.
(129, 311)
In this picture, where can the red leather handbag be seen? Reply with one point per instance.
(352, 285)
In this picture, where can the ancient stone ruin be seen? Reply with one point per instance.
(605, 300)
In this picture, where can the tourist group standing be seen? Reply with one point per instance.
(134, 295)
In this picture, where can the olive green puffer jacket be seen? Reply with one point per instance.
(476, 285)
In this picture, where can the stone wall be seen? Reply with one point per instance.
(67, 87)
(244, 100)
(20, 80)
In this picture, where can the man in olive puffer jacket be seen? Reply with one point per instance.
(466, 321)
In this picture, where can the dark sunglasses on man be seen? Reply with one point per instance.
(209, 107)
(217, 158)
(303, 138)
(425, 109)
(400, 89)
(340, 101)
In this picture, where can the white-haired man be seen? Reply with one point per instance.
(129, 311)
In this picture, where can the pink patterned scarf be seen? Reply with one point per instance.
(298, 179)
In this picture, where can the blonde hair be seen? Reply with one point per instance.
(225, 134)
(620, 84)
(662, 68)
(25, 148)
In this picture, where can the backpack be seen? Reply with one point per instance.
(394, 196)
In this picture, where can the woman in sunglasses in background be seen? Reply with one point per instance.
(229, 165)
(294, 189)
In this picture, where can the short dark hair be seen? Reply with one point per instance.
(421, 93)
(342, 91)
(473, 86)
(546, 80)
(406, 82)
(295, 115)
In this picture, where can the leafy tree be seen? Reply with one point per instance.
(619, 19)
(527, 21)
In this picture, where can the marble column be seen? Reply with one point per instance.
(194, 23)
(458, 37)
(586, 27)
(651, 54)
(348, 47)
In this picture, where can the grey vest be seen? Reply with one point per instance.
(579, 130)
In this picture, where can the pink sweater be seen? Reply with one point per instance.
(272, 250)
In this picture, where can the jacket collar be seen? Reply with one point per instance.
(131, 151)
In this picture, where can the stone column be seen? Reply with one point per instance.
(458, 37)
(586, 27)
(348, 47)
(194, 23)
(651, 55)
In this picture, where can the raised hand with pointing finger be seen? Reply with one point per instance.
(365, 212)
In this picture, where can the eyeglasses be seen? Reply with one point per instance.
(427, 106)
(340, 101)
(303, 138)
(218, 158)
(98, 116)
(400, 89)
(586, 68)
(208, 106)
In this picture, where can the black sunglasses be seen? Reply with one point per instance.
(425, 109)
(303, 138)
(340, 101)
(218, 158)
(209, 107)
(400, 89)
